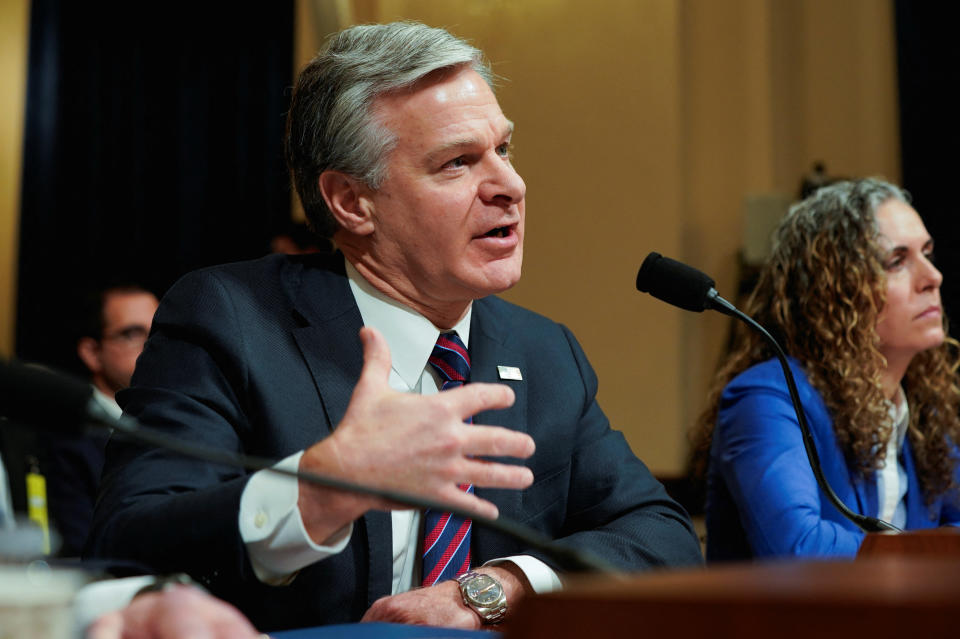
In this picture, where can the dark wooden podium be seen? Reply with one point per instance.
(893, 589)
(936, 542)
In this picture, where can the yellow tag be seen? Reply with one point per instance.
(37, 506)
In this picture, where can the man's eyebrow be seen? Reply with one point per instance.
(448, 148)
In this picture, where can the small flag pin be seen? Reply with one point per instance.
(509, 372)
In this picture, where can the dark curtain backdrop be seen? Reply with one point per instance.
(153, 146)
(927, 63)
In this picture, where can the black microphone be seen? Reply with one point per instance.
(680, 285)
(692, 290)
(39, 396)
(35, 395)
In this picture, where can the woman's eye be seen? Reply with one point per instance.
(893, 263)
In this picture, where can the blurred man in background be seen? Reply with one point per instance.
(114, 326)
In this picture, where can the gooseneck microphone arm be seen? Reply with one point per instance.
(690, 289)
(58, 402)
(571, 559)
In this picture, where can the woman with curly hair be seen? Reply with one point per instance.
(852, 294)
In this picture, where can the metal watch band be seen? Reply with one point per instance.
(490, 614)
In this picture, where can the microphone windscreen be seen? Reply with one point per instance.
(674, 282)
(35, 395)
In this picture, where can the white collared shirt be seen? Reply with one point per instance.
(270, 522)
(892, 479)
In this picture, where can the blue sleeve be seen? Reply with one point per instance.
(950, 509)
(759, 453)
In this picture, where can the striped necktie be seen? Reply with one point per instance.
(446, 538)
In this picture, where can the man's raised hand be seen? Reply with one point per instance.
(411, 443)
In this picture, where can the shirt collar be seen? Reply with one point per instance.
(108, 403)
(410, 335)
(900, 414)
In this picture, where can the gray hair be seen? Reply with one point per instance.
(331, 125)
(846, 208)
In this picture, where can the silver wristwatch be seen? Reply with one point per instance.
(484, 594)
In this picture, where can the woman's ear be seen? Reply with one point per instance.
(348, 200)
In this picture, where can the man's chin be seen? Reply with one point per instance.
(492, 286)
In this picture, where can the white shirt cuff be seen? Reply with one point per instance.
(541, 577)
(100, 597)
(273, 531)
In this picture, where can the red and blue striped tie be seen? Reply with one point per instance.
(446, 538)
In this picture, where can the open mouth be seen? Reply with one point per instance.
(500, 231)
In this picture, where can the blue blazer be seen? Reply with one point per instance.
(762, 498)
(261, 357)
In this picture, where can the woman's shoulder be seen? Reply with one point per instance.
(769, 374)
(767, 380)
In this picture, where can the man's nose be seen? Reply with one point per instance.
(502, 184)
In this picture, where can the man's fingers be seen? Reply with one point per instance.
(376, 357)
(487, 474)
(471, 399)
(470, 502)
(497, 441)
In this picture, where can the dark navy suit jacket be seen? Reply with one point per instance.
(261, 357)
(72, 465)
(762, 498)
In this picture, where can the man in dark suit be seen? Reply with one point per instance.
(114, 323)
(400, 154)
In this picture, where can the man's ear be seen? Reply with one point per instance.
(348, 199)
(88, 350)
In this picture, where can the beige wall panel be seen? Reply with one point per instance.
(14, 30)
(728, 123)
(849, 70)
(787, 102)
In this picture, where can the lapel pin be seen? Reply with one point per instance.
(509, 372)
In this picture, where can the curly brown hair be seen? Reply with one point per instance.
(820, 294)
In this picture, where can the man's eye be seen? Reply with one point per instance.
(456, 163)
(504, 149)
(134, 333)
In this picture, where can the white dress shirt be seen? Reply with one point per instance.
(892, 478)
(270, 522)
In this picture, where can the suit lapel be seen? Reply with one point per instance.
(919, 514)
(329, 343)
(868, 496)
(379, 529)
(327, 336)
(865, 491)
(490, 347)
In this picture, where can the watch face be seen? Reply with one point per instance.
(483, 590)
